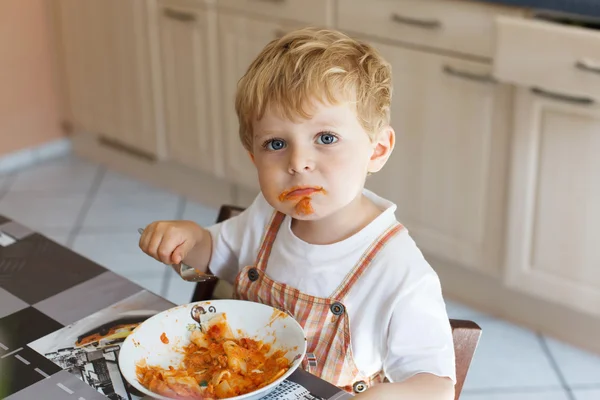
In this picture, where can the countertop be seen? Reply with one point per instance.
(589, 8)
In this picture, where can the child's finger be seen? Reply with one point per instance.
(170, 240)
(181, 251)
(146, 236)
(145, 239)
(154, 244)
(164, 252)
(171, 244)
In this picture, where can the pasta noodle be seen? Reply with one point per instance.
(216, 365)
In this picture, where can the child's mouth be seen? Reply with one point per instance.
(301, 194)
(296, 193)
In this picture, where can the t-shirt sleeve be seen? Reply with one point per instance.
(420, 336)
(236, 240)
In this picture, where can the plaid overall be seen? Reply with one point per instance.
(325, 320)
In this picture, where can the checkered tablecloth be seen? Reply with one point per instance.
(50, 298)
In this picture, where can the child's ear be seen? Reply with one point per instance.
(383, 145)
(251, 157)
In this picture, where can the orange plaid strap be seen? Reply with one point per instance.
(268, 240)
(365, 260)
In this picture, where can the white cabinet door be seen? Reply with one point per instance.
(447, 172)
(108, 70)
(240, 40)
(553, 245)
(188, 63)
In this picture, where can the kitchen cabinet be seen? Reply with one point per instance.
(552, 56)
(459, 27)
(77, 60)
(107, 57)
(554, 206)
(553, 238)
(241, 39)
(188, 51)
(447, 173)
(306, 12)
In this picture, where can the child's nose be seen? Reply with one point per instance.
(300, 161)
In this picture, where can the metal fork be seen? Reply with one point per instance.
(186, 272)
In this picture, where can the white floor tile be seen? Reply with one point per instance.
(179, 291)
(201, 214)
(577, 366)
(60, 148)
(120, 253)
(534, 395)
(586, 394)
(60, 236)
(128, 212)
(42, 211)
(153, 284)
(61, 176)
(115, 182)
(3, 180)
(457, 310)
(509, 357)
(17, 160)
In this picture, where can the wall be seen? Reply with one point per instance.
(29, 99)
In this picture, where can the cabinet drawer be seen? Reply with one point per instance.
(461, 26)
(559, 60)
(311, 12)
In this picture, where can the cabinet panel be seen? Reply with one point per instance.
(547, 55)
(108, 70)
(555, 204)
(190, 112)
(311, 12)
(241, 39)
(460, 26)
(448, 170)
(74, 23)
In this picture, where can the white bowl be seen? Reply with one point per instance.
(255, 320)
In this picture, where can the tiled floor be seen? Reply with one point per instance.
(97, 212)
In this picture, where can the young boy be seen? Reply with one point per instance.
(314, 110)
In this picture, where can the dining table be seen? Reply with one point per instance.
(63, 319)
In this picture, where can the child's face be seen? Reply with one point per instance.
(311, 168)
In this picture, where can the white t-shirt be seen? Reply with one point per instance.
(398, 319)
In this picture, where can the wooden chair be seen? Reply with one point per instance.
(466, 334)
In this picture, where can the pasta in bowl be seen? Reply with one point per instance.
(242, 350)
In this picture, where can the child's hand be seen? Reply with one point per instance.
(171, 241)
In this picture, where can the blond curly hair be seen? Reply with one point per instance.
(309, 64)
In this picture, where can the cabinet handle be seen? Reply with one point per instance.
(587, 66)
(179, 15)
(562, 97)
(422, 23)
(483, 78)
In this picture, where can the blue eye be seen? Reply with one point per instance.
(274, 144)
(327, 138)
